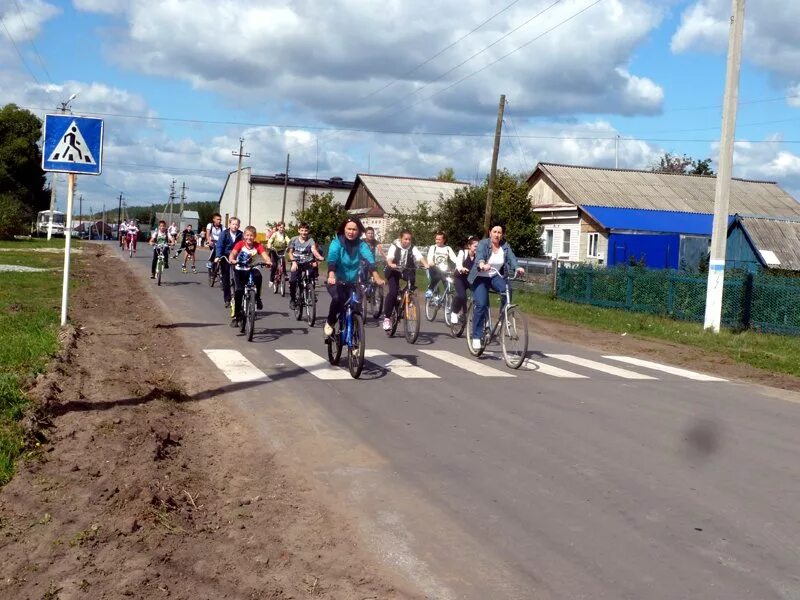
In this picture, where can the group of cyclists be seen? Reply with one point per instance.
(480, 265)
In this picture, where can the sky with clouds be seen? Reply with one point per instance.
(400, 87)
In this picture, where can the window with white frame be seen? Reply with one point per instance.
(548, 241)
(594, 240)
(566, 234)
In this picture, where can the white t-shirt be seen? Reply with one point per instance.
(173, 231)
(439, 256)
(496, 260)
(400, 255)
(212, 232)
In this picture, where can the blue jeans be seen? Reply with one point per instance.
(480, 301)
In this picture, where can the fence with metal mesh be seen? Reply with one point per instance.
(763, 302)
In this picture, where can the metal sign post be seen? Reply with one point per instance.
(71, 145)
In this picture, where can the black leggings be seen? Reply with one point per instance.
(393, 278)
(274, 257)
(240, 280)
(339, 292)
(460, 298)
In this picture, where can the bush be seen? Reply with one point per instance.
(13, 217)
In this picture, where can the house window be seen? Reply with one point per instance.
(594, 239)
(565, 240)
(548, 241)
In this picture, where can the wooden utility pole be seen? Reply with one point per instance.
(487, 216)
(183, 199)
(241, 155)
(119, 214)
(285, 186)
(719, 228)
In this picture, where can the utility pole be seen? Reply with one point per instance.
(285, 186)
(171, 201)
(119, 214)
(616, 152)
(487, 216)
(80, 211)
(52, 204)
(316, 173)
(183, 199)
(719, 231)
(103, 223)
(241, 155)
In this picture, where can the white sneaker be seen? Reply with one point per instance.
(453, 318)
(327, 330)
(476, 344)
(387, 324)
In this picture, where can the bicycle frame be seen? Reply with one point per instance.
(352, 305)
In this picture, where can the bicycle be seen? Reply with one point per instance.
(131, 241)
(349, 331)
(456, 329)
(213, 271)
(445, 299)
(406, 309)
(373, 298)
(279, 282)
(160, 248)
(512, 326)
(248, 313)
(306, 295)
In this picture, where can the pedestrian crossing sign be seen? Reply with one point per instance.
(72, 144)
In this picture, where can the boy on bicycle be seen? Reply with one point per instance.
(401, 262)
(302, 252)
(241, 257)
(161, 240)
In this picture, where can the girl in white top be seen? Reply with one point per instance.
(439, 259)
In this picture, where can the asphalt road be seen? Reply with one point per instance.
(565, 479)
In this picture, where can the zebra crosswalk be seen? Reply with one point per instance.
(439, 364)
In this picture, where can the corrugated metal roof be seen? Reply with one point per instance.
(666, 191)
(190, 214)
(780, 236)
(660, 221)
(403, 193)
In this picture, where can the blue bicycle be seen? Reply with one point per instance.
(349, 331)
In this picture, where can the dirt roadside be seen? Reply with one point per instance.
(139, 490)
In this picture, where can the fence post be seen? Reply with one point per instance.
(629, 291)
(555, 277)
(747, 300)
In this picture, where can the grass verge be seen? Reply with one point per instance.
(776, 353)
(29, 324)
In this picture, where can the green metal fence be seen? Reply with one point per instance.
(766, 303)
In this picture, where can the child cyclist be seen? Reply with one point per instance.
(302, 252)
(160, 238)
(190, 245)
(131, 234)
(401, 262)
(242, 258)
(439, 259)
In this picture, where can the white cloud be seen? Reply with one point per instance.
(320, 58)
(24, 20)
(771, 39)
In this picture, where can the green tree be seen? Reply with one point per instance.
(462, 214)
(323, 215)
(22, 181)
(683, 165)
(702, 167)
(421, 221)
(446, 174)
(14, 216)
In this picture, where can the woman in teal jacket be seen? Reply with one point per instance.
(346, 254)
(493, 253)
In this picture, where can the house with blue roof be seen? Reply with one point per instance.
(617, 216)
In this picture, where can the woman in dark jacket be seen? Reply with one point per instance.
(493, 253)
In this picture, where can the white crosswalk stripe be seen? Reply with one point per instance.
(398, 366)
(235, 366)
(468, 364)
(638, 362)
(598, 366)
(542, 368)
(318, 366)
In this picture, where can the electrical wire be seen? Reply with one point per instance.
(32, 42)
(19, 53)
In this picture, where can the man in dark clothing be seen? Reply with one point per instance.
(225, 243)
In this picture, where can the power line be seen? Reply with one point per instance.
(32, 42)
(21, 57)
(442, 51)
(519, 143)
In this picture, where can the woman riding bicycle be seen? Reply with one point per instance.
(494, 260)
(345, 255)
(401, 262)
(242, 255)
(464, 262)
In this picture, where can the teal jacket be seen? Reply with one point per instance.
(346, 264)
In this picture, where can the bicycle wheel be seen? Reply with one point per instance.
(251, 316)
(282, 284)
(159, 270)
(335, 345)
(486, 331)
(378, 309)
(431, 308)
(301, 299)
(212, 275)
(456, 329)
(396, 318)
(310, 301)
(514, 337)
(411, 319)
(355, 351)
(447, 306)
